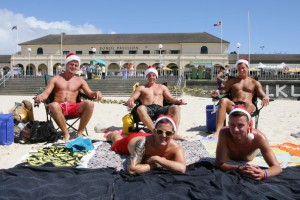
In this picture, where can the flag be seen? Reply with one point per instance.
(14, 27)
(218, 24)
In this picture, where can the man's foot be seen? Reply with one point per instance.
(178, 137)
(296, 135)
(66, 138)
(213, 135)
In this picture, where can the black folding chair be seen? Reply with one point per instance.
(69, 120)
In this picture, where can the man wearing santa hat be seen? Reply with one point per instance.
(65, 88)
(242, 89)
(239, 142)
(152, 96)
(150, 151)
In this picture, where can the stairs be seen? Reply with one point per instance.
(108, 87)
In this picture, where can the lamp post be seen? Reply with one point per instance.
(262, 49)
(160, 46)
(238, 45)
(29, 51)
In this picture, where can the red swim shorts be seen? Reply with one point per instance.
(70, 109)
(121, 146)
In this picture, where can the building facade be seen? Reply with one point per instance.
(171, 53)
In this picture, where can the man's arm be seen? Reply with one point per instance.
(270, 158)
(168, 96)
(260, 93)
(92, 94)
(136, 157)
(176, 165)
(222, 154)
(49, 88)
(135, 95)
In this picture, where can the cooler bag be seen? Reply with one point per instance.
(6, 129)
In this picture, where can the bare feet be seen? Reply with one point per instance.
(66, 138)
(178, 137)
(213, 135)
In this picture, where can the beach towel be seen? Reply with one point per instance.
(201, 181)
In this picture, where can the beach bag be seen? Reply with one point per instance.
(6, 129)
(36, 131)
(128, 124)
(23, 112)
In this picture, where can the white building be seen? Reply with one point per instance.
(172, 52)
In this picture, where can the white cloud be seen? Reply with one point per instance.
(30, 28)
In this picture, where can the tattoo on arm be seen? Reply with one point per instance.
(138, 153)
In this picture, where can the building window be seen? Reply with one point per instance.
(39, 51)
(79, 52)
(118, 52)
(66, 52)
(132, 52)
(174, 52)
(105, 52)
(91, 52)
(204, 50)
(146, 52)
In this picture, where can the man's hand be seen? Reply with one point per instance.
(265, 101)
(97, 95)
(252, 171)
(181, 102)
(38, 99)
(130, 103)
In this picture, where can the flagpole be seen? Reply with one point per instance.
(249, 38)
(221, 36)
(61, 41)
(17, 39)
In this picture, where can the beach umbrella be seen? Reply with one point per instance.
(167, 69)
(101, 62)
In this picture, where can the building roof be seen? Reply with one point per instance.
(267, 58)
(143, 38)
(5, 58)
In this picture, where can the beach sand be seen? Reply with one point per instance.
(277, 121)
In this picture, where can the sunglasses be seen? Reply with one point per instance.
(160, 132)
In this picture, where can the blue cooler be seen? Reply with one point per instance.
(211, 118)
(6, 129)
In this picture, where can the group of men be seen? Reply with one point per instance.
(238, 141)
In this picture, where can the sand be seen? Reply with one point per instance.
(277, 121)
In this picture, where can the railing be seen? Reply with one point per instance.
(5, 77)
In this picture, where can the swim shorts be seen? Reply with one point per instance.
(153, 110)
(70, 109)
(121, 146)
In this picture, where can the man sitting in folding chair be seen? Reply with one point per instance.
(152, 96)
(65, 88)
(242, 89)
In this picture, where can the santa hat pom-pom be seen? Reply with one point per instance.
(250, 136)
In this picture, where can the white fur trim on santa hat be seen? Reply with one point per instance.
(72, 57)
(242, 61)
(240, 110)
(151, 69)
(168, 118)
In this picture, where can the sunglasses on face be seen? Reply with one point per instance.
(160, 132)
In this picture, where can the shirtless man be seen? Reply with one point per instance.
(238, 142)
(150, 151)
(65, 88)
(152, 96)
(242, 89)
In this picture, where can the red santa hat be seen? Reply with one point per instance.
(168, 117)
(70, 57)
(241, 108)
(151, 69)
(244, 60)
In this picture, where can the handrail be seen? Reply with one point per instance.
(6, 76)
(178, 84)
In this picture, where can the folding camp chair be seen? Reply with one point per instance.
(69, 120)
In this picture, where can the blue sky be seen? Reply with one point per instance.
(273, 24)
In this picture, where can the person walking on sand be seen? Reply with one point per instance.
(242, 89)
(238, 142)
(65, 88)
(149, 151)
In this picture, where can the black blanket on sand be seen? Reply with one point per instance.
(201, 181)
